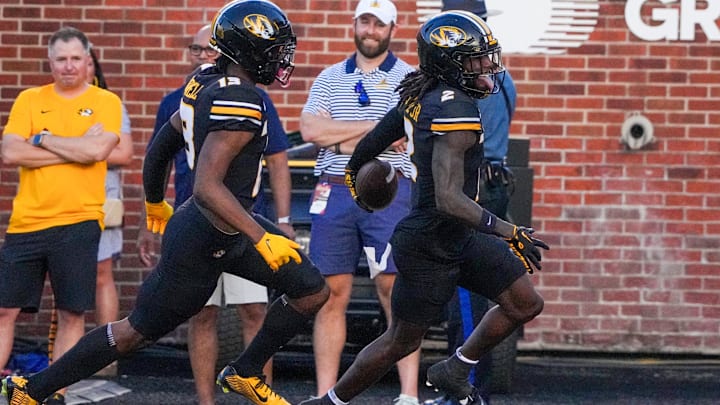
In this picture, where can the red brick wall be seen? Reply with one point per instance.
(635, 235)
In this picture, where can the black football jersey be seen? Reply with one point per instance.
(213, 101)
(439, 113)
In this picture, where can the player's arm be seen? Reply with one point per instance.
(448, 161)
(159, 158)
(146, 239)
(383, 135)
(223, 209)
(448, 168)
(387, 131)
(210, 191)
(156, 172)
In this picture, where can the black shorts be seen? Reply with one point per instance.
(435, 255)
(67, 253)
(193, 255)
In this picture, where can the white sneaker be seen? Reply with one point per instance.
(405, 400)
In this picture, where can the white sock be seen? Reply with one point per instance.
(333, 397)
(463, 358)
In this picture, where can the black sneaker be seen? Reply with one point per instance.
(55, 399)
(13, 388)
(442, 376)
(475, 399)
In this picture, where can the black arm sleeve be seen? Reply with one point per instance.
(387, 131)
(158, 161)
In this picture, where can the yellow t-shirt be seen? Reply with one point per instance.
(67, 193)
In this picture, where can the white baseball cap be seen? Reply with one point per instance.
(384, 10)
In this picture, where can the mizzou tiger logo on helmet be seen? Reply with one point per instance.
(260, 26)
(448, 37)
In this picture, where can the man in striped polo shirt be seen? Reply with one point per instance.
(345, 102)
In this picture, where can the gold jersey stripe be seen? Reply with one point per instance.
(238, 111)
(463, 126)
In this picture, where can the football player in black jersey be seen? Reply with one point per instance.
(221, 125)
(447, 239)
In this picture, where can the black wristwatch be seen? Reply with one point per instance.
(37, 140)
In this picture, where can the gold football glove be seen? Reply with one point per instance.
(350, 179)
(158, 215)
(277, 250)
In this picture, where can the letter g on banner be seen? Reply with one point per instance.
(676, 22)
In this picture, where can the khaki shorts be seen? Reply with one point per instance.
(237, 290)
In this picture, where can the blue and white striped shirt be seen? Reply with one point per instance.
(334, 92)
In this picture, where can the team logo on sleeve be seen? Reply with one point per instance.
(260, 26)
(448, 37)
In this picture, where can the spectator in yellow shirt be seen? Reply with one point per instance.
(59, 136)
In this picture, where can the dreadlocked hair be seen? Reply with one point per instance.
(415, 85)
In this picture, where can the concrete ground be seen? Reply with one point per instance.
(163, 378)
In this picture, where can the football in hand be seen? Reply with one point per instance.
(376, 184)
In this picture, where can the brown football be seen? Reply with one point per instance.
(376, 184)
